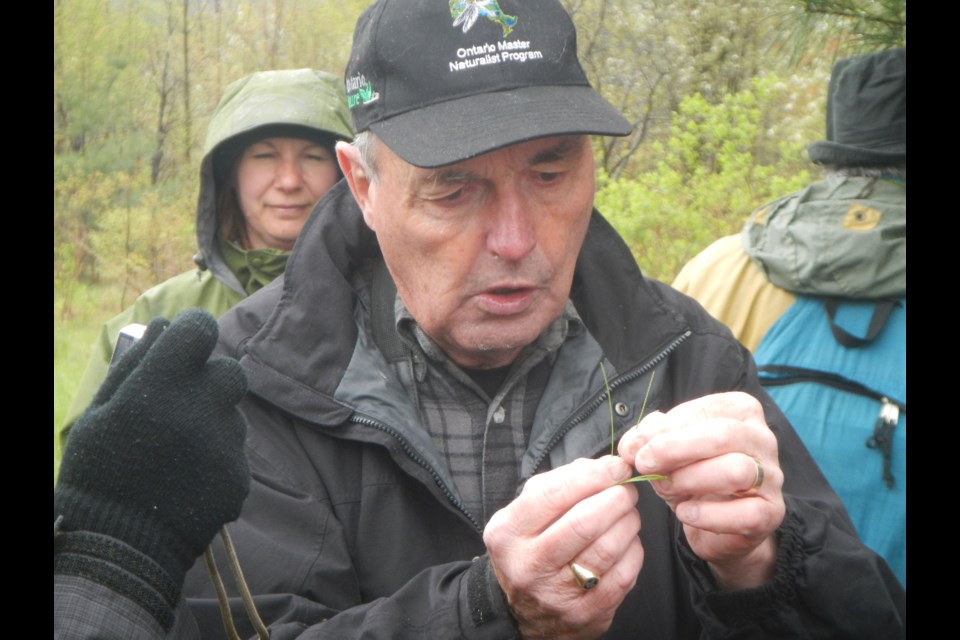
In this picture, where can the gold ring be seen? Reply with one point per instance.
(757, 480)
(585, 578)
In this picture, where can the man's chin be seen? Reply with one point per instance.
(490, 350)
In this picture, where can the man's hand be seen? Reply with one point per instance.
(575, 513)
(714, 449)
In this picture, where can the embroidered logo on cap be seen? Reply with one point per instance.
(359, 91)
(466, 12)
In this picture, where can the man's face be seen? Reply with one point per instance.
(483, 251)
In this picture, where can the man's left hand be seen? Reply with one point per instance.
(715, 450)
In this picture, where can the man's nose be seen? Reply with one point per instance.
(513, 234)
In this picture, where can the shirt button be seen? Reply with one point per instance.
(499, 415)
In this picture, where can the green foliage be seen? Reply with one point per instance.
(72, 336)
(832, 29)
(116, 227)
(720, 162)
(646, 56)
(868, 24)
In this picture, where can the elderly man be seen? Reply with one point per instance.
(436, 385)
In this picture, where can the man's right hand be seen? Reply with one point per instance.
(575, 513)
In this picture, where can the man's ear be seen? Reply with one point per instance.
(353, 170)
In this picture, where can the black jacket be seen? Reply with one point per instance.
(352, 517)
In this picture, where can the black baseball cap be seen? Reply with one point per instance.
(441, 81)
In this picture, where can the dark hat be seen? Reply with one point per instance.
(866, 112)
(440, 81)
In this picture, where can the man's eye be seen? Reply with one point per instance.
(452, 197)
(549, 176)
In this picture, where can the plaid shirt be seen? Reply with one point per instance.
(482, 439)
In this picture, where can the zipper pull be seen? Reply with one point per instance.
(882, 437)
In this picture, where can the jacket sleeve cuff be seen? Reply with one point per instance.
(118, 567)
(761, 606)
(489, 612)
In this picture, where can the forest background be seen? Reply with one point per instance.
(724, 95)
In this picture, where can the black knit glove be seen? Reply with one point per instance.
(157, 460)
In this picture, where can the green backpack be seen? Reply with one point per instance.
(842, 237)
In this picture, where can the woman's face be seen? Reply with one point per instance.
(278, 182)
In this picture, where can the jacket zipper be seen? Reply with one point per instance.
(413, 455)
(602, 397)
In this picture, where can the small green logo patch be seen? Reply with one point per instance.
(359, 91)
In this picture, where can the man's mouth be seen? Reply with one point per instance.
(506, 300)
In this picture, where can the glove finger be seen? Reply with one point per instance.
(129, 361)
(186, 344)
(223, 385)
(226, 380)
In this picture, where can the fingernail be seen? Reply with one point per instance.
(645, 461)
(688, 513)
(617, 468)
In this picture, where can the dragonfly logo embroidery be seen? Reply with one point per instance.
(466, 12)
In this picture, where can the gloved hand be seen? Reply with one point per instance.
(157, 460)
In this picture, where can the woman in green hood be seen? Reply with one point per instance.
(268, 158)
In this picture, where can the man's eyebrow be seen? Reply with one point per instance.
(557, 152)
(449, 176)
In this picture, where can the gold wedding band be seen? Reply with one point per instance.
(757, 480)
(585, 578)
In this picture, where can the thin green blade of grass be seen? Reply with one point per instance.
(646, 478)
(643, 408)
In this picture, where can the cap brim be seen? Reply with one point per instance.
(456, 130)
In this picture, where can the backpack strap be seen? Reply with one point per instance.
(881, 312)
(890, 409)
(785, 374)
